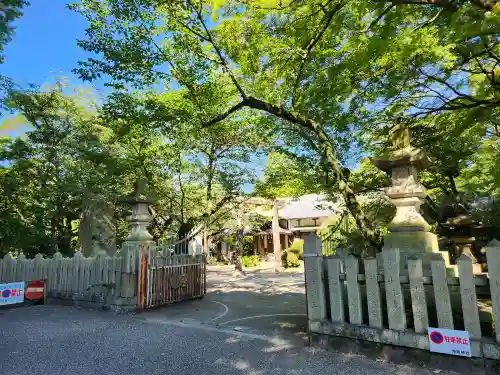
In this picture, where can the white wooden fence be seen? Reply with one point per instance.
(350, 298)
(77, 277)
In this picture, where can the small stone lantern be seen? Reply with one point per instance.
(140, 218)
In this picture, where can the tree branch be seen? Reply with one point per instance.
(384, 12)
(223, 116)
(218, 51)
(427, 23)
(172, 66)
(280, 7)
(486, 5)
(439, 3)
(369, 233)
(327, 18)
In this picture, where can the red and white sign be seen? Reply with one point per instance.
(35, 290)
(449, 341)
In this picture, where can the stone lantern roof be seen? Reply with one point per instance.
(402, 153)
(140, 194)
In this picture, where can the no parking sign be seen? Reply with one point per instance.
(449, 341)
(11, 293)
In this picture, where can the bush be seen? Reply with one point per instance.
(250, 260)
(283, 258)
(297, 247)
(289, 259)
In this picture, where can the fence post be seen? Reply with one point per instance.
(55, 280)
(417, 291)
(373, 293)
(7, 268)
(493, 259)
(129, 261)
(353, 292)
(313, 270)
(441, 292)
(395, 305)
(336, 290)
(18, 272)
(468, 296)
(75, 272)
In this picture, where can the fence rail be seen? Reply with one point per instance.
(348, 297)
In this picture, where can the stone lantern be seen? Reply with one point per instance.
(462, 230)
(140, 218)
(409, 232)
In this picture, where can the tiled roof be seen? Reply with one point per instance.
(306, 206)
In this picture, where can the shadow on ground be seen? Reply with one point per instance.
(260, 303)
(68, 340)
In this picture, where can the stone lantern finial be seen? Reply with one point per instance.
(401, 137)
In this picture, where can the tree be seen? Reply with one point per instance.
(326, 72)
(287, 177)
(267, 54)
(193, 172)
(46, 173)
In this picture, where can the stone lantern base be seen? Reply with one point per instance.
(421, 245)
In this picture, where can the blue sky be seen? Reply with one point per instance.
(44, 45)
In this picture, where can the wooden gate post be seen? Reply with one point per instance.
(142, 274)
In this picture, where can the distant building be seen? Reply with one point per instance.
(306, 213)
(297, 216)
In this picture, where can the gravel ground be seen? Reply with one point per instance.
(66, 340)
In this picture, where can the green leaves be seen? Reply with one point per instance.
(287, 177)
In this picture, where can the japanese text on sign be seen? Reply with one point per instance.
(11, 293)
(449, 341)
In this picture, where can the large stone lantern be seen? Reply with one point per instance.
(409, 232)
(140, 218)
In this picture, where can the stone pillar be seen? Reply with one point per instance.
(276, 238)
(223, 249)
(409, 232)
(97, 228)
(312, 245)
(315, 287)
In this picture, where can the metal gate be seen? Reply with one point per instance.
(166, 277)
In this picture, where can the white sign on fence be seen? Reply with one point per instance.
(449, 341)
(11, 293)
